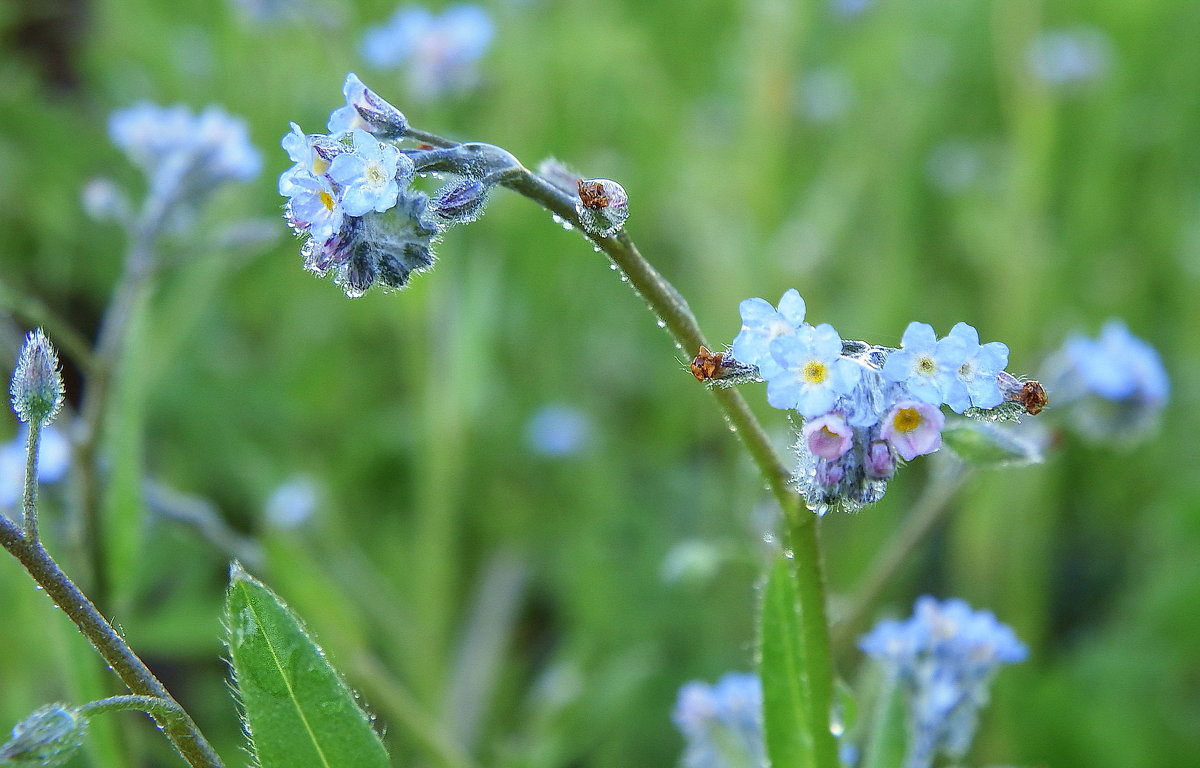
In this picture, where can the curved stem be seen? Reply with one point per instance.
(801, 530)
(166, 709)
(181, 730)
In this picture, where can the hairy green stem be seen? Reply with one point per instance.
(29, 505)
(181, 731)
(802, 535)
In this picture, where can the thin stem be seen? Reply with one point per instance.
(181, 731)
(928, 510)
(801, 531)
(166, 709)
(32, 449)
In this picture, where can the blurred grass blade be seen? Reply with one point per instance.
(781, 666)
(887, 740)
(298, 711)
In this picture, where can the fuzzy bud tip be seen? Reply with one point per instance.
(49, 737)
(37, 385)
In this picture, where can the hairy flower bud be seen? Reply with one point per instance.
(37, 386)
(49, 737)
(460, 202)
(602, 206)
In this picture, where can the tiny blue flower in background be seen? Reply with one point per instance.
(722, 723)
(762, 324)
(54, 459)
(370, 176)
(945, 657)
(974, 383)
(1112, 388)
(440, 53)
(814, 374)
(925, 365)
(292, 503)
(558, 430)
(1070, 57)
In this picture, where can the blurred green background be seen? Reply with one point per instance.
(894, 161)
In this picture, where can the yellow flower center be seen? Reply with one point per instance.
(906, 419)
(319, 164)
(815, 372)
(327, 200)
(926, 366)
(375, 175)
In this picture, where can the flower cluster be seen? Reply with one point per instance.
(722, 723)
(865, 407)
(184, 155)
(1113, 387)
(350, 193)
(439, 53)
(944, 656)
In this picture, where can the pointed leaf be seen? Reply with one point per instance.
(988, 446)
(298, 710)
(781, 666)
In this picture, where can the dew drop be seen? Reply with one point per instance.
(612, 267)
(789, 554)
(660, 323)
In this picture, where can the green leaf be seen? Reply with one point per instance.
(888, 737)
(298, 711)
(986, 445)
(781, 666)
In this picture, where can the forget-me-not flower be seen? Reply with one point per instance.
(370, 176)
(722, 723)
(365, 110)
(925, 365)
(913, 429)
(439, 52)
(814, 374)
(944, 656)
(762, 324)
(974, 382)
(315, 206)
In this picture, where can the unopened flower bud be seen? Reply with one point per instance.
(49, 737)
(460, 202)
(37, 386)
(366, 110)
(602, 206)
(878, 461)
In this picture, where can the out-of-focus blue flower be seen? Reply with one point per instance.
(1112, 387)
(974, 383)
(814, 374)
(440, 53)
(1070, 57)
(558, 430)
(721, 724)
(54, 459)
(925, 365)
(945, 657)
(292, 503)
(175, 147)
(762, 324)
(371, 175)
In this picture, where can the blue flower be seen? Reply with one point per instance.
(814, 373)
(315, 206)
(925, 365)
(54, 459)
(184, 156)
(370, 176)
(721, 724)
(365, 110)
(440, 52)
(762, 324)
(945, 657)
(974, 383)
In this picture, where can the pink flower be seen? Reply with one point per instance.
(913, 429)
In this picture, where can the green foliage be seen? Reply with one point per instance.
(781, 666)
(298, 710)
